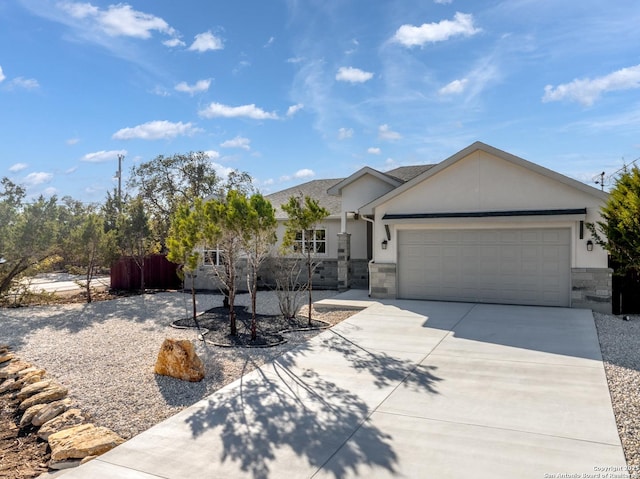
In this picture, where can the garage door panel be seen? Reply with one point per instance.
(513, 266)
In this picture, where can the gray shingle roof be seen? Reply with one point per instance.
(406, 173)
(317, 189)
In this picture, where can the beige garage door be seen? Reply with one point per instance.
(511, 266)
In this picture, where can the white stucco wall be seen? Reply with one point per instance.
(482, 182)
(362, 191)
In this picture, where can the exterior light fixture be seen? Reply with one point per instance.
(384, 244)
(589, 245)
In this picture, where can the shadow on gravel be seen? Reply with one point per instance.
(286, 407)
(155, 310)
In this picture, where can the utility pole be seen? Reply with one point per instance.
(119, 176)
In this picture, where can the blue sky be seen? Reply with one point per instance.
(291, 90)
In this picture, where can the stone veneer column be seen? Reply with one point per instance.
(383, 280)
(591, 288)
(344, 258)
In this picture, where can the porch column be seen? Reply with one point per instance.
(344, 261)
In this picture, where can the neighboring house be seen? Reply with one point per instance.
(481, 226)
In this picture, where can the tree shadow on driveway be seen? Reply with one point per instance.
(288, 418)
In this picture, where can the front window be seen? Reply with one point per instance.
(315, 240)
(212, 257)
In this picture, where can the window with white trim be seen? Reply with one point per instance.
(212, 257)
(315, 240)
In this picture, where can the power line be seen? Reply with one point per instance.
(601, 179)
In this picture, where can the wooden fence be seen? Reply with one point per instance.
(159, 273)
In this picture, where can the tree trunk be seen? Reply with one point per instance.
(193, 302)
(310, 285)
(254, 292)
(232, 298)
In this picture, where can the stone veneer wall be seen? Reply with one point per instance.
(383, 280)
(591, 288)
(359, 273)
(344, 260)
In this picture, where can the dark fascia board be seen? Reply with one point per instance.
(486, 214)
(478, 145)
(336, 190)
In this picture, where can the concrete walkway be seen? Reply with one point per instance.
(402, 389)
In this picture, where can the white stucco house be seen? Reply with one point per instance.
(481, 226)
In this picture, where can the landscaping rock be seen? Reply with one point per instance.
(81, 441)
(87, 459)
(7, 385)
(51, 411)
(69, 418)
(31, 389)
(52, 393)
(178, 359)
(29, 414)
(29, 376)
(6, 356)
(10, 369)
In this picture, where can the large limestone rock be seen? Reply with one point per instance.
(81, 441)
(50, 411)
(71, 417)
(7, 385)
(10, 369)
(29, 376)
(30, 413)
(6, 356)
(50, 394)
(31, 389)
(178, 359)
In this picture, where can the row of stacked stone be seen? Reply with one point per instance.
(45, 404)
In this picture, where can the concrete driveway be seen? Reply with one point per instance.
(402, 389)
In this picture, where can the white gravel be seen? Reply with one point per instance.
(620, 346)
(105, 352)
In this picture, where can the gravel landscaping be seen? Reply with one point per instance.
(620, 346)
(104, 352)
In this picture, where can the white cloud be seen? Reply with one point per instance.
(295, 60)
(156, 130)
(212, 154)
(2, 77)
(269, 42)
(206, 41)
(197, 87)
(73, 141)
(174, 42)
(374, 151)
(237, 142)
(587, 91)
(385, 133)
(304, 173)
(18, 167)
(454, 88)
(345, 133)
(298, 175)
(119, 20)
(38, 178)
(26, 83)
(223, 171)
(68, 171)
(461, 25)
(160, 91)
(249, 111)
(353, 75)
(442, 2)
(293, 109)
(101, 156)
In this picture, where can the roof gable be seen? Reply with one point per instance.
(494, 152)
(337, 188)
